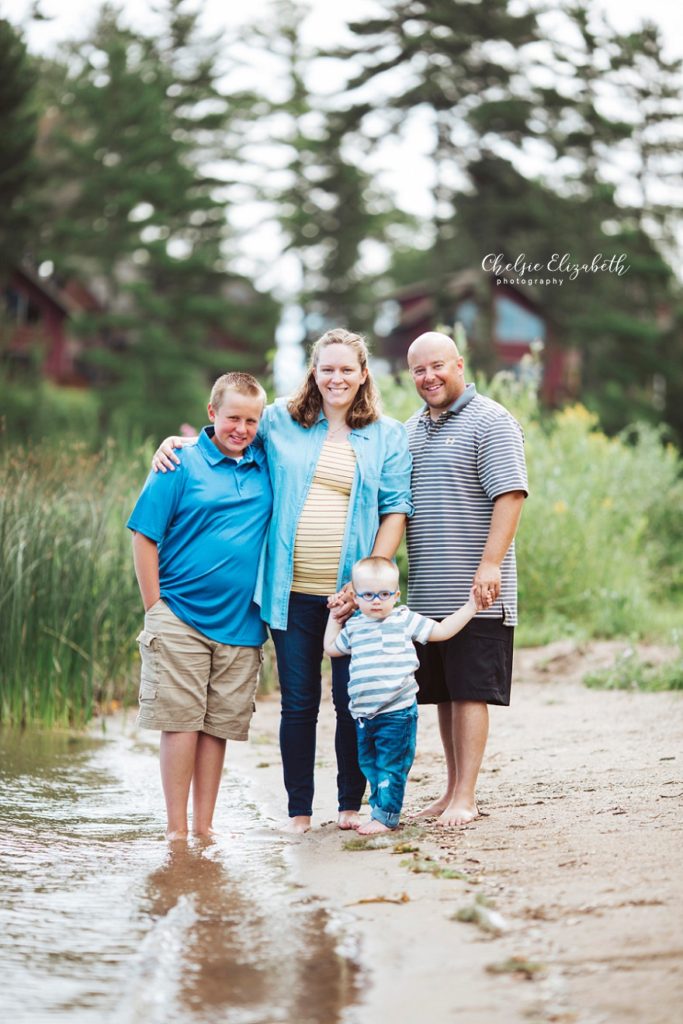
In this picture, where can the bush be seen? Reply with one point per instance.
(600, 544)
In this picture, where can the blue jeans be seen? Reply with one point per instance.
(386, 749)
(299, 652)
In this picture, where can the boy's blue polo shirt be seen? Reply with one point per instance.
(209, 519)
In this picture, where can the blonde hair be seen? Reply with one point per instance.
(242, 383)
(376, 564)
(306, 404)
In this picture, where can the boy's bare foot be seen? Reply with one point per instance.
(299, 824)
(373, 828)
(348, 820)
(432, 810)
(458, 813)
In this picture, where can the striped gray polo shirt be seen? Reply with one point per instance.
(383, 660)
(472, 454)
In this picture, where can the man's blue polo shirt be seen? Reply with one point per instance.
(209, 519)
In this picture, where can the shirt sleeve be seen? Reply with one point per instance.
(500, 458)
(157, 504)
(394, 485)
(343, 641)
(420, 627)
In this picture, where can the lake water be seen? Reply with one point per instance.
(101, 920)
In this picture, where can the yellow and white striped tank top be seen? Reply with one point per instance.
(320, 531)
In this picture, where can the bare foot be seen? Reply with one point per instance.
(373, 828)
(299, 824)
(458, 813)
(433, 809)
(177, 834)
(349, 820)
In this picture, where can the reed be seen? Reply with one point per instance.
(69, 605)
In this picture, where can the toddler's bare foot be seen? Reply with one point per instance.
(372, 828)
(348, 820)
(299, 824)
(459, 812)
(432, 810)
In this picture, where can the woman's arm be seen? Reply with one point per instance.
(389, 535)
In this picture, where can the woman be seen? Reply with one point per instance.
(341, 481)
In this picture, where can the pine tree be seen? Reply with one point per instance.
(18, 132)
(138, 216)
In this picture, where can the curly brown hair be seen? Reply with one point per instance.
(306, 404)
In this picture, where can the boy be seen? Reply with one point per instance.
(382, 683)
(197, 537)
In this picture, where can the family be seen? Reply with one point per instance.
(290, 515)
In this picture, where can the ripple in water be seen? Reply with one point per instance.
(102, 920)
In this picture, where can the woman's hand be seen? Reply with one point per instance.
(164, 457)
(343, 603)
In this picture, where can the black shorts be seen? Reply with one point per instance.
(475, 664)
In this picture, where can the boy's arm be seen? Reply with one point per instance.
(332, 631)
(146, 559)
(456, 621)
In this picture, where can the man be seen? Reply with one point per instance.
(469, 483)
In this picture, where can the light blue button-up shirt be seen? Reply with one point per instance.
(381, 485)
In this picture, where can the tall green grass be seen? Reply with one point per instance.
(69, 605)
(600, 543)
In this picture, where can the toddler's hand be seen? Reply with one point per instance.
(477, 602)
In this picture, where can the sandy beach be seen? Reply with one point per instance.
(562, 902)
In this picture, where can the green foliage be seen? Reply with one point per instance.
(38, 410)
(601, 536)
(70, 606)
(631, 672)
(18, 131)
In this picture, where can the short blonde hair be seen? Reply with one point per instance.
(306, 404)
(242, 383)
(376, 564)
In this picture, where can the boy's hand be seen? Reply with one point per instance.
(164, 457)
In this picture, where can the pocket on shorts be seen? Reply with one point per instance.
(149, 666)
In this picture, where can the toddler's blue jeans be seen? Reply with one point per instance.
(386, 749)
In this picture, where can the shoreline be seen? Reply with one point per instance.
(569, 876)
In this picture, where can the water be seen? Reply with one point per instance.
(101, 920)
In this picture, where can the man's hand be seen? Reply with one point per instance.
(476, 602)
(486, 584)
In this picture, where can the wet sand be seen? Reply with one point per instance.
(572, 873)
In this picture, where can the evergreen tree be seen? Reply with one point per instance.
(18, 131)
(138, 216)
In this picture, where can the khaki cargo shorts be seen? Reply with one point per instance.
(192, 684)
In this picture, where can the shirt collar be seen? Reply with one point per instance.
(358, 431)
(459, 404)
(214, 455)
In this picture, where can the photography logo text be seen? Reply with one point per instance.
(561, 267)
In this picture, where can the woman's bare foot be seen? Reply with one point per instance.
(373, 828)
(349, 820)
(459, 812)
(299, 824)
(176, 834)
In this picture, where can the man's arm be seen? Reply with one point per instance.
(146, 559)
(507, 509)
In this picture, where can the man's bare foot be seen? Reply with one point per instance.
(299, 824)
(433, 809)
(458, 813)
(373, 828)
(349, 820)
